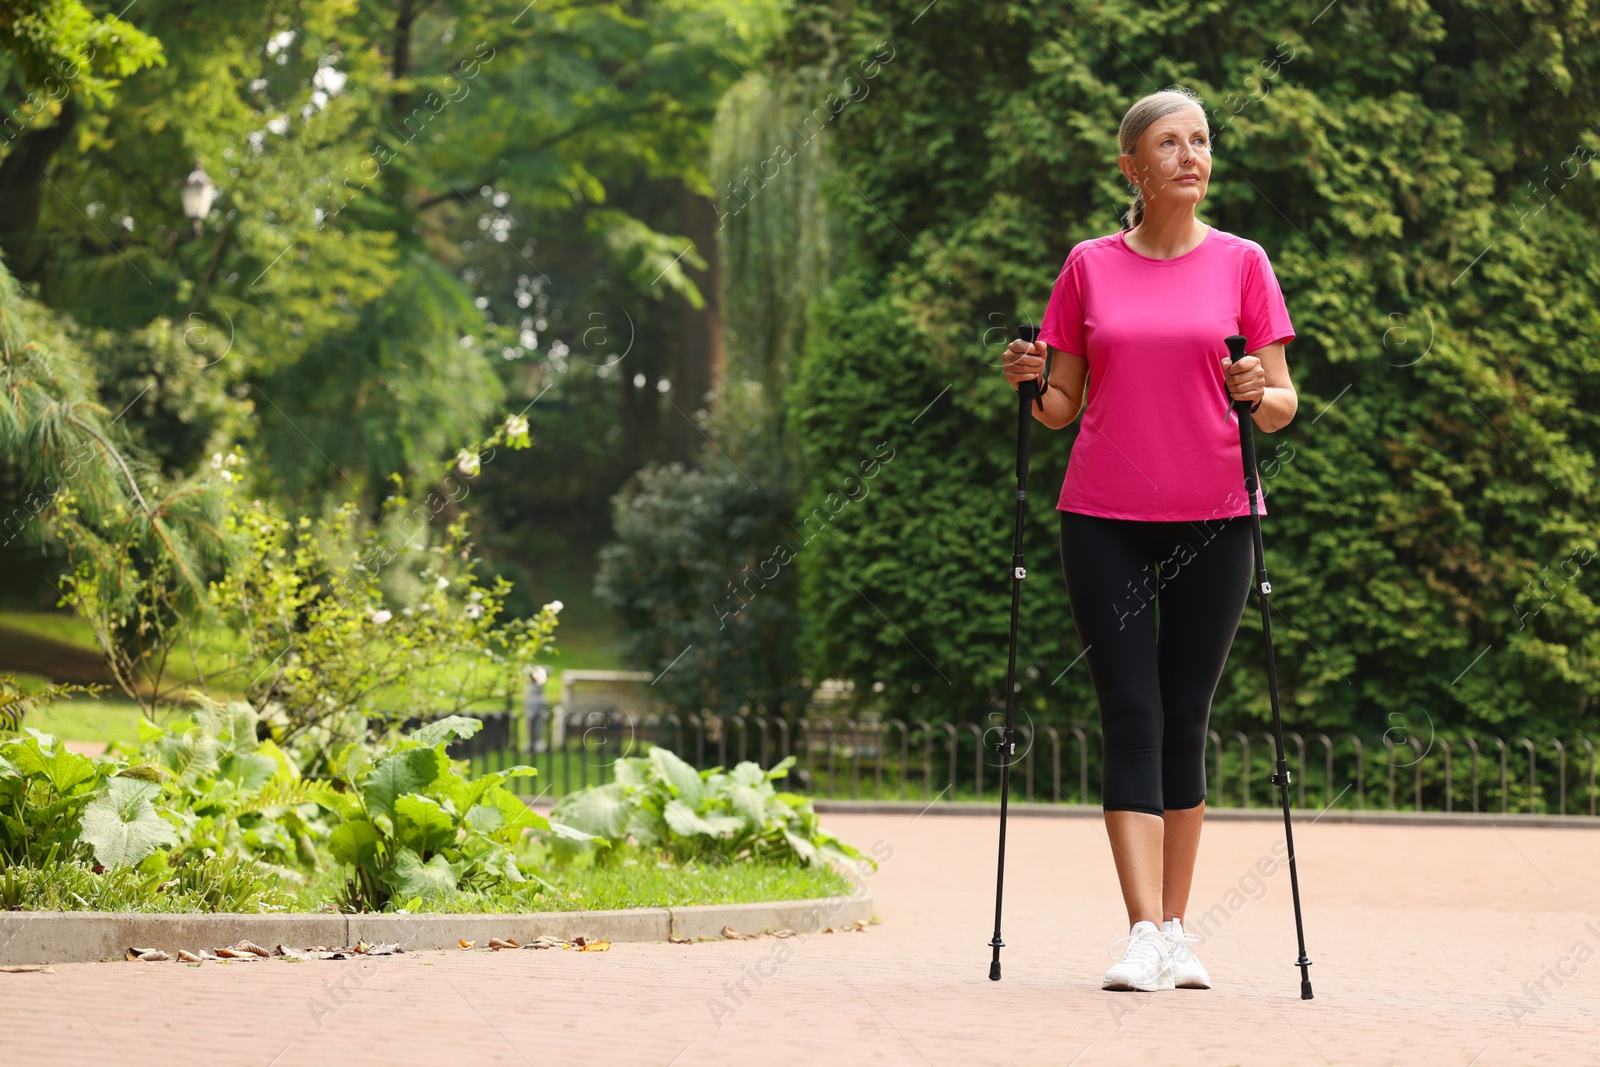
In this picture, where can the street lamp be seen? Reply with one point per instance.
(198, 194)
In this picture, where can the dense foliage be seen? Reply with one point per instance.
(342, 628)
(700, 576)
(421, 208)
(659, 802)
(1426, 191)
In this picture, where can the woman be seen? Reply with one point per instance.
(1154, 517)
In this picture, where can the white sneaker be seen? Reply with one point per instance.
(1187, 973)
(1146, 963)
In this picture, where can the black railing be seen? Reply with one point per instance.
(896, 759)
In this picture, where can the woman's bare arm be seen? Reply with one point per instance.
(1063, 398)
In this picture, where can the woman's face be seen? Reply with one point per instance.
(1173, 163)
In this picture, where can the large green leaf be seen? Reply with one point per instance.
(747, 773)
(750, 804)
(802, 848)
(422, 825)
(38, 755)
(631, 771)
(413, 878)
(467, 794)
(684, 779)
(684, 821)
(447, 729)
(516, 814)
(600, 811)
(247, 770)
(354, 842)
(121, 825)
(392, 777)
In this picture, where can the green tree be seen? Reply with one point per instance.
(141, 547)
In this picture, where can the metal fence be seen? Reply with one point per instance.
(897, 759)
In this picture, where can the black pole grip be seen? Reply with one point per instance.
(1027, 393)
(1247, 439)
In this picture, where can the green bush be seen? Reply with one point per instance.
(228, 793)
(412, 827)
(660, 802)
(702, 558)
(341, 625)
(60, 805)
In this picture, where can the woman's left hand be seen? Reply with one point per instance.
(1247, 378)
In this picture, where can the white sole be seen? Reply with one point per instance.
(1163, 982)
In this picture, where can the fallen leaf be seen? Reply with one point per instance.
(28, 968)
(188, 957)
(733, 935)
(500, 943)
(681, 940)
(466, 944)
(147, 955)
(252, 948)
(594, 946)
(547, 941)
(786, 932)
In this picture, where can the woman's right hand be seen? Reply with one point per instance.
(1023, 361)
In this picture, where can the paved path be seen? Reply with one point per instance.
(1421, 939)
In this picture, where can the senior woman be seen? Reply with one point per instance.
(1154, 517)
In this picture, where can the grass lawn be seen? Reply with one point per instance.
(650, 885)
(73, 887)
(641, 883)
(80, 719)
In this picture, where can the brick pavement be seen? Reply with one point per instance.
(1421, 937)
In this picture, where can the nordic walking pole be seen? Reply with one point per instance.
(1027, 393)
(1280, 775)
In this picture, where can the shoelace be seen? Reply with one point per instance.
(1138, 943)
(1182, 944)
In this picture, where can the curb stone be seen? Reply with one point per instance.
(1261, 814)
(34, 938)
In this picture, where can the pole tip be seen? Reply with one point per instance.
(994, 971)
(1305, 989)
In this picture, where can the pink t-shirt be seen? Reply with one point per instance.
(1160, 440)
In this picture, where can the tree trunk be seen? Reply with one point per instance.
(22, 191)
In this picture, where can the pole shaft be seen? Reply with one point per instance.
(1280, 777)
(1027, 393)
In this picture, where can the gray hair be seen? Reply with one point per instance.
(1144, 111)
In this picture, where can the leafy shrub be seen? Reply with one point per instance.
(228, 793)
(59, 805)
(340, 625)
(659, 801)
(413, 827)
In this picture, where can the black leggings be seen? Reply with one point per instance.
(1154, 686)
